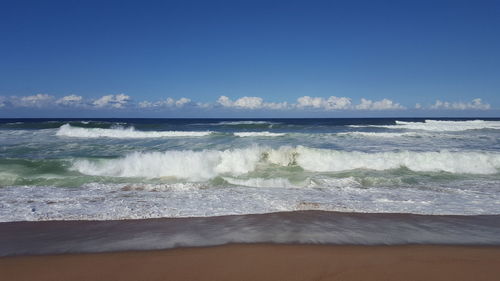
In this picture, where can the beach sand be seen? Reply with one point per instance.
(264, 262)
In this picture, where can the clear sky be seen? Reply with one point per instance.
(249, 58)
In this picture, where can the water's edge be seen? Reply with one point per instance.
(300, 227)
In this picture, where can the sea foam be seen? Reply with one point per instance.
(382, 134)
(258, 134)
(261, 182)
(67, 130)
(249, 122)
(450, 126)
(208, 164)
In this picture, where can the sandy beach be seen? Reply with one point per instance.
(264, 262)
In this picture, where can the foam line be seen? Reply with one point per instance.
(67, 130)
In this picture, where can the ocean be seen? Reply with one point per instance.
(423, 181)
(108, 169)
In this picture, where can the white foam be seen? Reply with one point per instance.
(67, 130)
(208, 164)
(335, 182)
(196, 166)
(99, 201)
(258, 134)
(261, 182)
(236, 123)
(449, 126)
(382, 134)
(322, 160)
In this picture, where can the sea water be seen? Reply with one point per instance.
(106, 169)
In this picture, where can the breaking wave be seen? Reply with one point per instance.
(208, 164)
(409, 135)
(243, 124)
(237, 123)
(67, 130)
(258, 134)
(261, 182)
(381, 134)
(449, 126)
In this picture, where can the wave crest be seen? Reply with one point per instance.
(382, 134)
(258, 134)
(449, 126)
(208, 164)
(67, 130)
(249, 122)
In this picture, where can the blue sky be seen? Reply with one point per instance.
(249, 58)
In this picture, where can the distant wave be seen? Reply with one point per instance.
(381, 134)
(440, 126)
(123, 133)
(436, 125)
(236, 123)
(258, 134)
(208, 164)
(391, 135)
(242, 124)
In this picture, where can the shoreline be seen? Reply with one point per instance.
(300, 227)
(302, 245)
(265, 262)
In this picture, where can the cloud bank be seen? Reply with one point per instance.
(250, 103)
(474, 104)
(112, 101)
(246, 103)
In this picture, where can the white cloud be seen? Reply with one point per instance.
(113, 101)
(344, 103)
(244, 102)
(276, 105)
(224, 101)
(331, 103)
(250, 103)
(182, 101)
(162, 103)
(384, 104)
(146, 104)
(38, 100)
(169, 102)
(3, 101)
(203, 105)
(474, 104)
(307, 101)
(71, 100)
(103, 101)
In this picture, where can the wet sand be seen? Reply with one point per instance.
(264, 262)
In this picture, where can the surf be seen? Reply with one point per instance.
(67, 130)
(208, 164)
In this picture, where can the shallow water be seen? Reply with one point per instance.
(304, 227)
